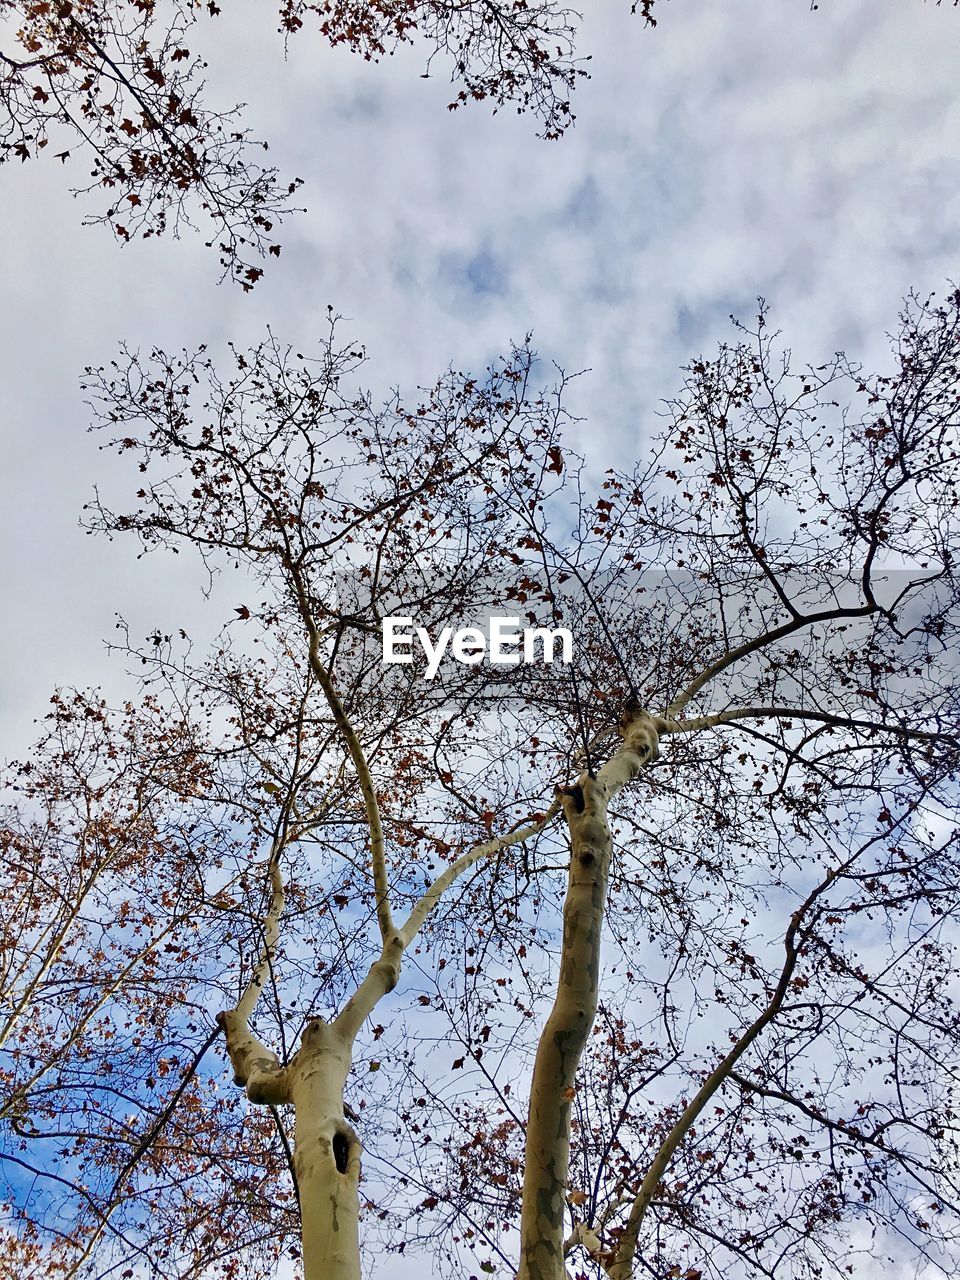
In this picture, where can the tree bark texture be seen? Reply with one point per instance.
(574, 1009)
(326, 1156)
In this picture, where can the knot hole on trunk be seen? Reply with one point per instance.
(341, 1151)
(575, 793)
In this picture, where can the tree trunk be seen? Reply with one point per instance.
(575, 1005)
(326, 1156)
(564, 1036)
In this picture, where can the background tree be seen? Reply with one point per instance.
(104, 975)
(741, 792)
(116, 85)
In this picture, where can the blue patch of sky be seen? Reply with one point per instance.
(485, 274)
(699, 327)
(478, 278)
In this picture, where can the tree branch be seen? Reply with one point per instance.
(798, 713)
(758, 642)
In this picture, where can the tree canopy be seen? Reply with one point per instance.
(115, 87)
(115, 84)
(639, 964)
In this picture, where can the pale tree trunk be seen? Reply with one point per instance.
(326, 1156)
(327, 1150)
(571, 1019)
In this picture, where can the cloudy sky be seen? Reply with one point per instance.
(743, 149)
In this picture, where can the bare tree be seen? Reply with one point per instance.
(637, 964)
(102, 1034)
(115, 85)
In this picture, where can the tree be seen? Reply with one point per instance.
(115, 82)
(100, 965)
(672, 924)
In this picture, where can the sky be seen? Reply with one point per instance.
(736, 150)
(743, 149)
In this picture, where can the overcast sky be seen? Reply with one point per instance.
(739, 149)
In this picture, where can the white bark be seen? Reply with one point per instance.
(327, 1150)
(571, 1019)
(326, 1155)
(255, 1067)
